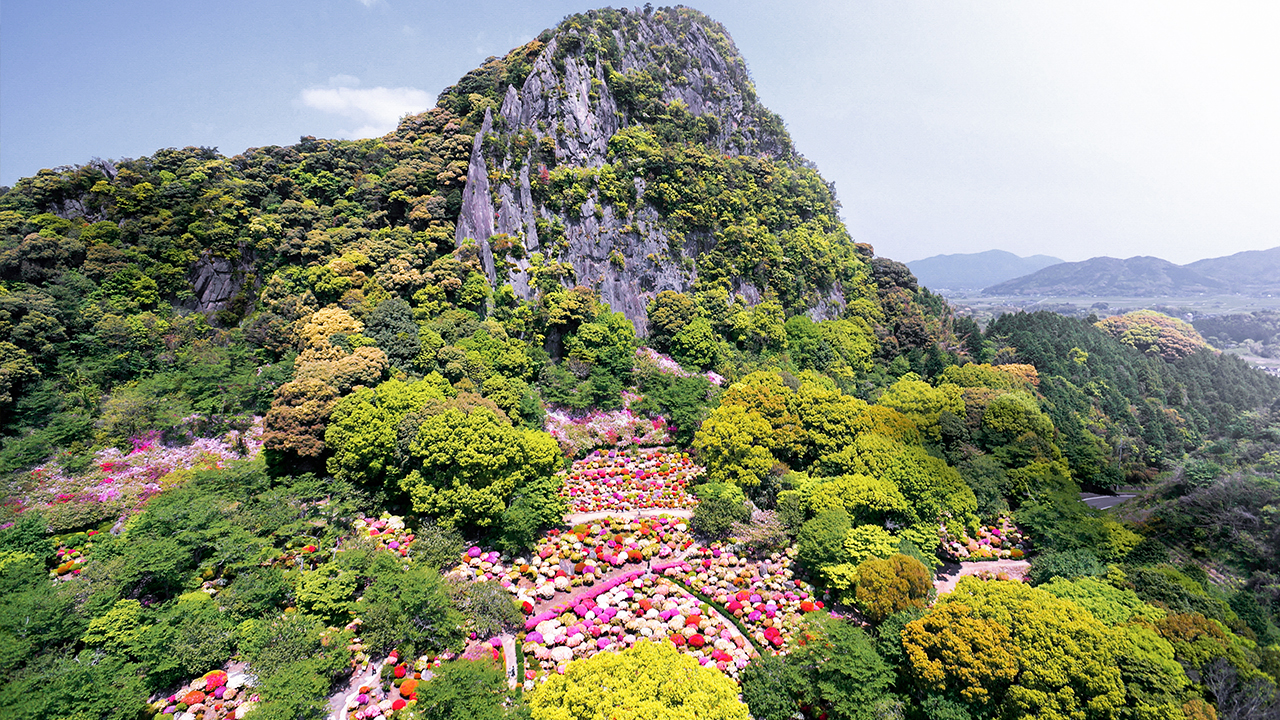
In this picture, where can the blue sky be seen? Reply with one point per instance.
(1067, 128)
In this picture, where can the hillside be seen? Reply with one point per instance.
(1138, 277)
(1247, 272)
(572, 397)
(974, 271)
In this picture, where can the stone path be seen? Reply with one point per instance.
(509, 658)
(950, 573)
(338, 701)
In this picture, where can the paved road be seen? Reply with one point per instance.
(1104, 502)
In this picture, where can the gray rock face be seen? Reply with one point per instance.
(627, 258)
(215, 281)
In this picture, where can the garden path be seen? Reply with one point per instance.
(338, 701)
(950, 573)
(509, 658)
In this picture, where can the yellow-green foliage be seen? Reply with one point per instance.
(1063, 659)
(890, 585)
(469, 461)
(649, 680)
(868, 541)
(732, 443)
(1154, 333)
(1103, 600)
(1001, 377)
(922, 402)
(364, 426)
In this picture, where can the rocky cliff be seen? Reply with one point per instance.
(578, 127)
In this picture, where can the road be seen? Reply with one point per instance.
(1104, 502)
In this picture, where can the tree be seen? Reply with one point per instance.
(922, 402)
(1017, 650)
(669, 312)
(647, 680)
(696, 345)
(892, 585)
(468, 463)
(732, 445)
(363, 429)
(820, 541)
(1065, 564)
(833, 665)
(393, 328)
(719, 507)
(764, 689)
(466, 690)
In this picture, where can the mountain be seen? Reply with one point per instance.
(974, 271)
(1134, 277)
(1257, 270)
(629, 150)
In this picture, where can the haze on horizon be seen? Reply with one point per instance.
(1068, 129)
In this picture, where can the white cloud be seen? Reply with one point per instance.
(376, 109)
(367, 3)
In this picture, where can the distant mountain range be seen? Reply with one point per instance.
(1253, 271)
(974, 271)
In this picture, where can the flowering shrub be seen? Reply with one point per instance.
(621, 480)
(118, 483)
(993, 542)
(647, 606)
(764, 595)
(669, 366)
(611, 428)
(216, 695)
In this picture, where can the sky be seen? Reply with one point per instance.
(1073, 129)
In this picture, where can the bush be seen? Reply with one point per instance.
(890, 586)
(720, 505)
(1069, 564)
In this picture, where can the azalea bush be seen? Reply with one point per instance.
(625, 481)
(118, 483)
(1002, 540)
(216, 695)
(647, 607)
(605, 428)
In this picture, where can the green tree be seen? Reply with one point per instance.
(719, 507)
(833, 664)
(668, 313)
(731, 443)
(468, 690)
(1017, 650)
(892, 585)
(468, 464)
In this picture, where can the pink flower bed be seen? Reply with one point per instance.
(635, 480)
(610, 428)
(644, 606)
(1001, 541)
(764, 595)
(215, 696)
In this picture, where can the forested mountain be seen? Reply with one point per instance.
(974, 271)
(1254, 271)
(576, 381)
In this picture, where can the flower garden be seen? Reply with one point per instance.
(1001, 541)
(214, 696)
(606, 428)
(667, 365)
(618, 480)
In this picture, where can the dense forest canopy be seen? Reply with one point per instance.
(272, 421)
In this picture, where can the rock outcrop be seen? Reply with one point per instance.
(564, 115)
